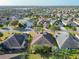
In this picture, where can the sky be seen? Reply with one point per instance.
(39, 2)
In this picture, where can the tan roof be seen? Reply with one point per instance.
(40, 39)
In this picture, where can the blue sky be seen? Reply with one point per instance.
(39, 2)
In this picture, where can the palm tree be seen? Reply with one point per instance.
(29, 42)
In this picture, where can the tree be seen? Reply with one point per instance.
(14, 22)
(49, 26)
(44, 50)
(34, 22)
(29, 39)
(21, 26)
(61, 54)
(54, 28)
(57, 22)
(1, 34)
(1, 25)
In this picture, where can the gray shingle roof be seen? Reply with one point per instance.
(71, 43)
(65, 40)
(15, 41)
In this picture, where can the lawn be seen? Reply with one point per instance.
(70, 28)
(33, 34)
(5, 35)
(53, 33)
(74, 56)
(35, 56)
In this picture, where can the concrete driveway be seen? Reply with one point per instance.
(8, 56)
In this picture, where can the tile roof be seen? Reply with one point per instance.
(43, 39)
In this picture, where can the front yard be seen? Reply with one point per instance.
(38, 56)
(35, 56)
(70, 28)
(5, 36)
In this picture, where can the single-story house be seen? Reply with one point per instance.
(43, 39)
(15, 41)
(66, 41)
(26, 22)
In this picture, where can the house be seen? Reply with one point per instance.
(72, 24)
(43, 39)
(77, 36)
(77, 29)
(65, 21)
(52, 22)
(26, 22)
(14, 17)
(46, 24)
(66, 41)
(4, 20)
(58, 23)
(76, 22)
(1, 23)
(41, 20)
(16, 41)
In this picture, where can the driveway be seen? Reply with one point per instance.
(8, 56)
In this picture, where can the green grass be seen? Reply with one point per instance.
(38, 56)
(35, 56)
(70, 28)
